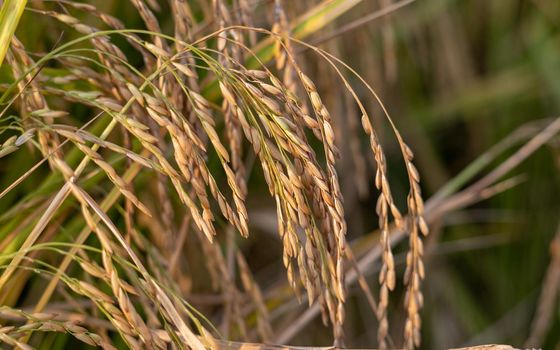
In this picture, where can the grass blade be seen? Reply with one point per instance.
(9, 18)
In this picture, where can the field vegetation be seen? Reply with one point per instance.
(242, 173)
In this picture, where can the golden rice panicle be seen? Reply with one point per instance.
(33, 102)
(245, 13)
(184, 61)
(293, 209)
(414, 272)
(183, 20)
(283, 46)
(151, 22)
(384, 208)
(226, 31)
(229, 54)
(46, 322)
(235, 136)
(123, 187)
(192, 163)
(334, 203)
(159, 112)
(238, 218)
(113, 23)
(327, 211)
(122, 313)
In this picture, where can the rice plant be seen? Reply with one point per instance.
(185, 174)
